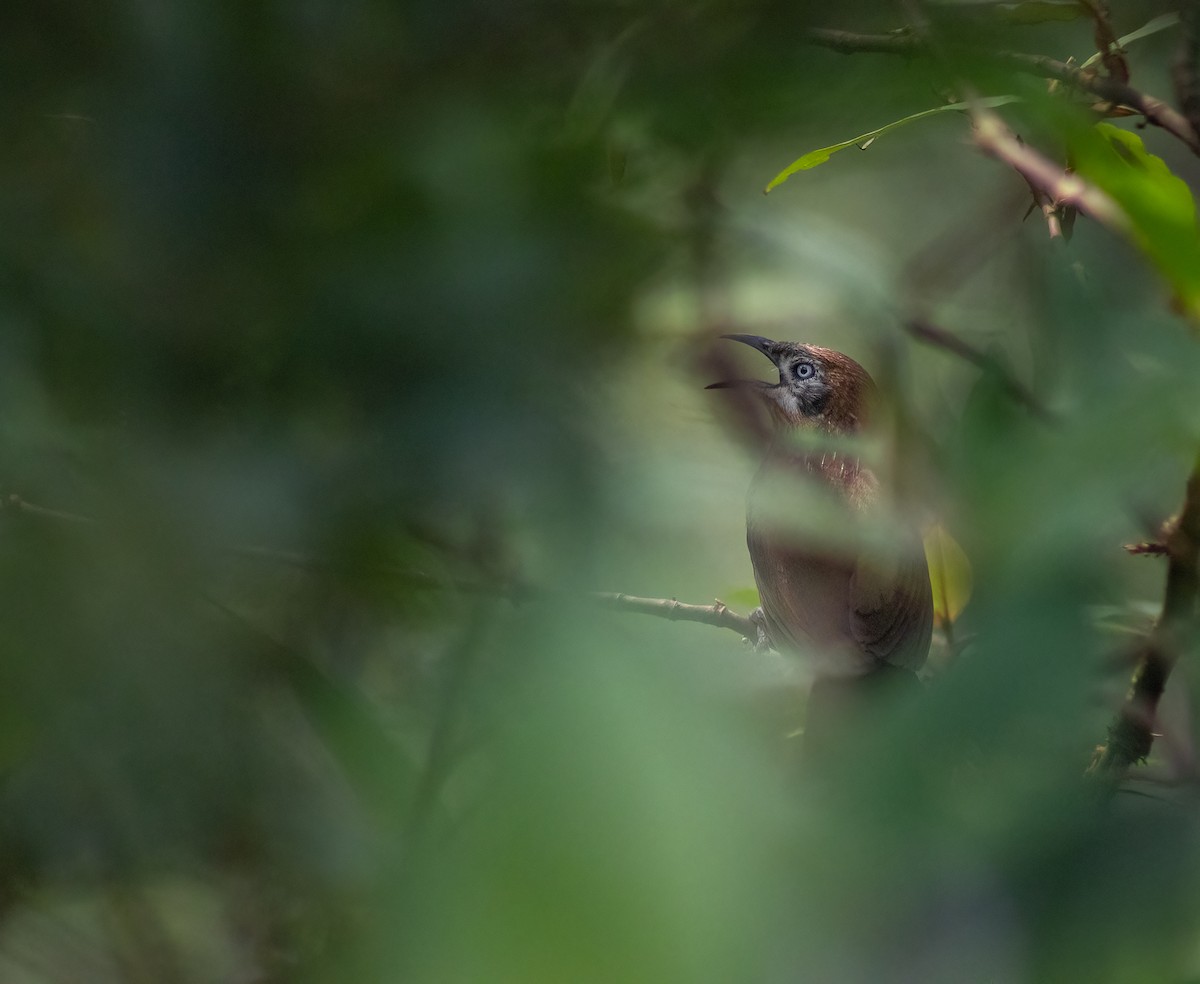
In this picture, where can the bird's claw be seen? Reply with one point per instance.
(761, 643)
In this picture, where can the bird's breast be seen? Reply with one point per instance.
(804, 592)
(822, 591)
(803, 578)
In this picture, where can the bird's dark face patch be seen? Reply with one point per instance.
(805, 389)
(806, 381)
(817, 387)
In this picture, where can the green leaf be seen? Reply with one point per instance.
(821, 155)
(1159, 204)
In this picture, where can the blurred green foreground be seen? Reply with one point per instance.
(346, 347)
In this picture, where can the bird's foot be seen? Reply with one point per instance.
(761, 643)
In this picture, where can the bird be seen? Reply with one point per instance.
(862, 608)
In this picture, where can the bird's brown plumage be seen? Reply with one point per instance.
(858, 609)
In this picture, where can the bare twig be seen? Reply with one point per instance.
(1111, 55)
(15, 503)
(1147, 548)
(948, 261)
(1111, 90)
(441, 756)
(904, 42)
(717, 614)
(1050, 212)
(1131, 735)
(994, 138)
(1060, 218)
(931, 334)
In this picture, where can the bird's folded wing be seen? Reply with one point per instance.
(891, 610)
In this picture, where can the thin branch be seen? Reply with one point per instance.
(1131, 735)
(1111, 55)
(409, 576)
(948, 261)
(994, 138)
(1108, 88)
(14, 503)
(1111, 90)
(717, 614)
(1055, 214)
(442, 753)
(925, 331)
(904, 42)
(1147, 548)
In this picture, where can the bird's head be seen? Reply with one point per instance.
(817, 387)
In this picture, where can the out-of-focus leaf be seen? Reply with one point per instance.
(822, 154)
(1159, 204)
(383, 771)
(949, 574)
(742, 597)
(617, 159)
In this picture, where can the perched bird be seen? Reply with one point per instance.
(862, 607)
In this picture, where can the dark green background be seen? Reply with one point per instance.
(337, 321)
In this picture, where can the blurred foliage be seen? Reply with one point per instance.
(344, 347)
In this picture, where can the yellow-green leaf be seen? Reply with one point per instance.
(741, 598)
(949, 574)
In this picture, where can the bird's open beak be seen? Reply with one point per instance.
(765, 346)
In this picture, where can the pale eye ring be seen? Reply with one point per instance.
(805, 370)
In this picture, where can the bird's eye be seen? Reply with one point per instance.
(805, 370)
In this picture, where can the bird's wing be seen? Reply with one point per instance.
(891, 609)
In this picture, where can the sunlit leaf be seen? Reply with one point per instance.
(1159, 204)
(863, 140)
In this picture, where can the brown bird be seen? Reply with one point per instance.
(864, 609)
